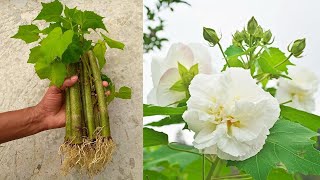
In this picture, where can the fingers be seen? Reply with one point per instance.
(69, 82)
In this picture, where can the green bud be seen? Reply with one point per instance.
(298, 47)
(267, 36)
(211, 36)
(238, 37)
(259, 32)
(252, 26)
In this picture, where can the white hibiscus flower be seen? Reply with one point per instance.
(230, 114)
(165, 71)
(300, 90)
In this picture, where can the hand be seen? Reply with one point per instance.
(52, 106)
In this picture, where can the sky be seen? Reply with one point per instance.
(287, 19)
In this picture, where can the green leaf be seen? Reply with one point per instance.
(27, 33)
(51, 27)
(58, 73)
(154, 175)
(154, 138)
(55, 71)
(182, 70)
(88, 19)
(73, 52)
(70, 12)
(99, 50)
(124, 93)
(43, 69)
(50, 12)
(175, 119)
(164, 153)
(194, 70)
(150, 110)
(288, 146)
(55, 44)
(306, 119)
(279, 173)
(194, 170)
(113, 43)
(35, 55)
(178, 86)
(270, 61)
(233, 52)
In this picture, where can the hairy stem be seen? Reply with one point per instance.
(75, 101)
(68, 116)
(105, 132)
(87, 99)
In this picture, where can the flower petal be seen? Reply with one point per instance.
(179, 53)
(165, 96)
(203, 57)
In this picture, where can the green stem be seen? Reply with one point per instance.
(68, 116)
(75, 101)
(239, 176)
(183, 150)
(84, 118)
(218, 167)
(203, 166)
(283, 61)
(224, 56)
(212, 168)
(87, 100)
(105, 132)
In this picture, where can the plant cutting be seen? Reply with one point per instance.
(244, 118)
(62, 50)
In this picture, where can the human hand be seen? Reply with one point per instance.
(51, 108)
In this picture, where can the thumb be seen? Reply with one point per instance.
(67, 83)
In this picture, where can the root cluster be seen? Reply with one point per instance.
(89, 157)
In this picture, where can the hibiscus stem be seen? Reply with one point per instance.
(203, 166)
(238, 176)
(103, 107)
(224, 56)
(218, 167)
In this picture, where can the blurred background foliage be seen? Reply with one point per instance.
(152, 38)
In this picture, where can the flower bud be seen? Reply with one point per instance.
(267, 36)
(259, 32)
(252, 26)
(238, 37)
(298, 47)
(211, 36)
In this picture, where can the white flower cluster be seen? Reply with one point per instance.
(300, 90)
(230, 114)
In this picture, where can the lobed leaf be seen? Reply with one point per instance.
(288, 146)
(50, 12)
(55, 44)
(273, 61)
(306, 119)
(27, 33)
(88, 19)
